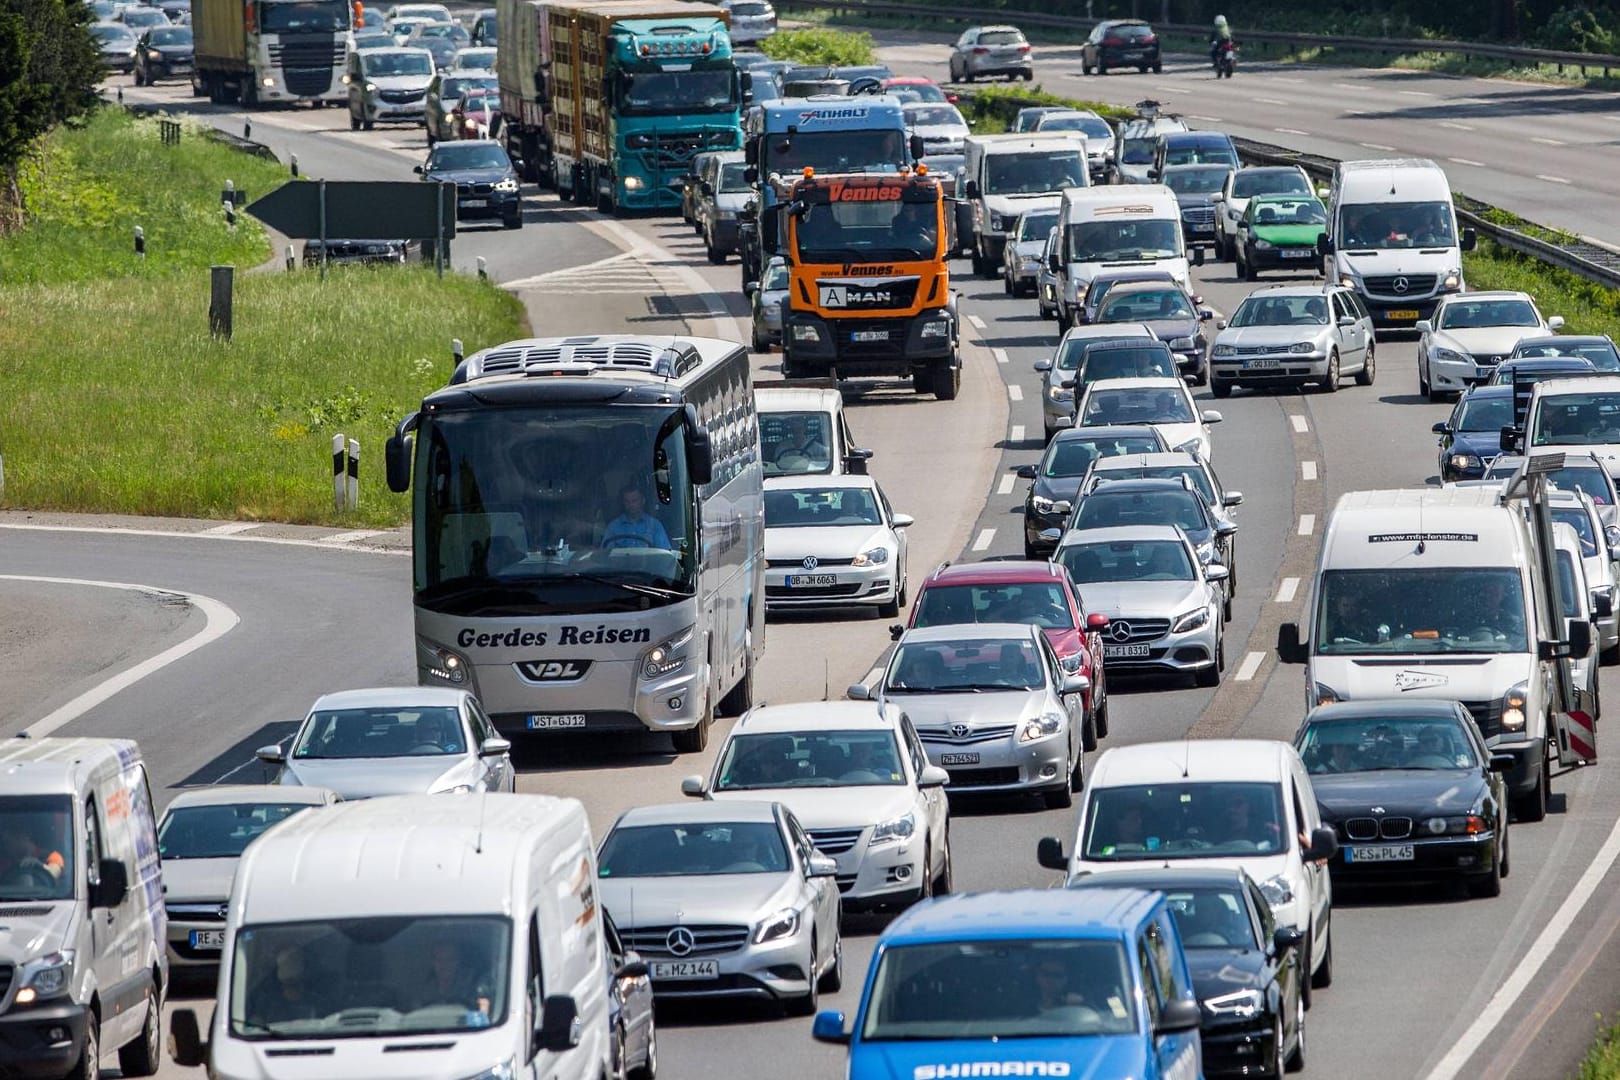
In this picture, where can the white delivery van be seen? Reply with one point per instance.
(414, 935)
(1393, 238)
(1005, 173)
(1573, 415)
(83, 960)
(1436, 593)
(802, 429)
(1112, 228)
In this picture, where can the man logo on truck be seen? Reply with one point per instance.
(842, 296)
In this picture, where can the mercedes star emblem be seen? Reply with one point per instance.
(959, 731)
(1120, 629)
(811, 562)
(224, 911)
(1400, 285)
(680, 941)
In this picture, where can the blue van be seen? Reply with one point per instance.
(1048, 982)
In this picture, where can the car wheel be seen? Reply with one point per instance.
(1142, 69)
(1322, 977)
(649, 1067)
(807, 1004)
(925, 891)
(1027, 76)
(88, 1067)
(1158, 67)
(1434, 392)
(946, 380)
(1085, 68)
(761, 344)
(1101, 721)
(716, 256)
(1211, 676)
(1062, 796)
(1330, 382)
(1102, 68)
(1030, 553)
(1533, 807)
(515, 221)
(1273, 1068)
(354, 122)
(1246, 266)
(1296, 1057)
(1369, 368)
(143, 1056)
(945, 883)
(1202, 377)
(1226, 606)
(1306, 998)
(832, 980)
(890, 609)
(1006, 281)
(368, 125)
(1423, 377)
(1507, 847)
(1088, 741)
(1221, 388)
(1488, 884)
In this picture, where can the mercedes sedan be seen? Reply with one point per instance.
(1470, 333)
(1055, 479)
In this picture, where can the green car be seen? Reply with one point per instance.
(1279, 232)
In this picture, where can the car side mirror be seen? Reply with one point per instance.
(705, 188)
(271, 755)
(1067, 384)
(1347, 321)
(1054, 264)
(1555, 323)
(1508, 441)
(1049, 853)
(1074, 684)
(904, 521)
(1026, 472)
(1153, 174)
(186, 1045)
(1226, 528)
(1204, 314)
(1232, 498)
(971, 189)
(397, 463)
(1290, 649)
(1324, 842)
(1612, 534)
(1210, 416)
(1424, 326)
(494, 746)
(110, 891)
(830, 1027)
(1442, 428)
(821, 866)
(1198, 256)
(1216, 572)
(1285, 938)
(1221, 324)
(1579, 637)
(751, 173)
(858, 692)
(632, 967)
(1043, 365)
(418, 170)
(1324, 244)
(1179, 1015)
(1097, 621)
(1503, 763)
(694, 787)
(933, 776)
(1470, 239)
(1062, 507)
(750, 288)
(560, 1025)
(896, 632)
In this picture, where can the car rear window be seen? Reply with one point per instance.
(1001, 37)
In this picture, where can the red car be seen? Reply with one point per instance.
(474, 115)
(1024, 592)
(917, 88)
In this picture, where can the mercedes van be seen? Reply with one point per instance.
(802, 429)
(1104, 229)
(1005, 173)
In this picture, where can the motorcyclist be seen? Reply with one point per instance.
(1220, 38)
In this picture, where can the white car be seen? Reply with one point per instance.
(479, 58)
(1598, 557)
(421, 12)
(1231, 803)
(1021, 255)
(751, 20)
(1099, 136)
(833, 541)
(1164, 403)
(939, 125)
(1469, 334)
(1164, 606)
(855, 775)
(409, 740)
(1243, 185)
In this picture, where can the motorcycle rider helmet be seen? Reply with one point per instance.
(1220, 20)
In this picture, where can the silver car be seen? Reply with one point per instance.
(1577, 510)
(415, 740)
(201, 839)
(1046, 278)
(984, 51)
(1163, 605)
(725, 899)
(1294, 334)
(1058, 370)
(766, 299)
(1021, 255)
(751, 20)
(938, 124)
(992, 707)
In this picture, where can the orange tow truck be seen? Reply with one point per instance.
(869, 284)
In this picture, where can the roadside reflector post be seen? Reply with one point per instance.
(220, 314)
(292, 163)
(140, 242)
(345, 473)
(483, 273)
(456, 353)
(352, 468)
(292, 260)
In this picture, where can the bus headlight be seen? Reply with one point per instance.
(1513, 703)
(668, 656)
(446, 666)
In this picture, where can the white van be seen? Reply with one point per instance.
(83, 962)
(1003, 173)
(1571, 415)
(1109, 228)
(422, 935)
(802, 429)
(1434, 593)
(1393, 238)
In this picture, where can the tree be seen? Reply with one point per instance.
(50, 66)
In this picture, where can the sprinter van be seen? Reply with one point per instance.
(83, 965)
(1107, 229)
(344, 922)
(1004, 174)
(802, 429)
(1393, 238)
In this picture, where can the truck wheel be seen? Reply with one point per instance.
(946, 378)
(922, 381)
(1533, 806)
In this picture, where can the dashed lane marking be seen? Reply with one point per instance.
(1290, 131)
(1307, 470)
(1301, 425)
(978, 323)
(1378, 146)
(1000, 355)
(1271, 101)
(1467, 161)
(983, 541)
(1286, 590)
(1006, 485)
(231, 528)
(1454, 126)
(1414, 93)
(1015, 392)
(1307, 524)
(1251, 664)
(1551, 179)
(1548, 142)
(1017, 433)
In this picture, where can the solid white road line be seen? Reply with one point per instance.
(1286, 590)
(1307, 470)
(351, 537)
(243, 538)
(985, 539)
(1467, 161)
(1548, 142)
(1551, 179)
(231, 528)
(1000, 355)
(1415, 93)
(1015, 392)
(1496, 1010)
(1204, 119)
(1454, 126)
(1251, 664)
(1006, 485)
(1290, 131)
(1378, 146)
(978, 323)
(1017, 433)
(1307, 524)
(1301, 425)
(219, 622)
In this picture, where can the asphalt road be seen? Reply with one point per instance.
(1414, 971)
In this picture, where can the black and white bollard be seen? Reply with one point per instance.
(140, 242)
(345, 473)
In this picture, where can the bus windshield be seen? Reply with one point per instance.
(553, 509)
(872, 150)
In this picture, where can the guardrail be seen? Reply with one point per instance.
(1467, 49)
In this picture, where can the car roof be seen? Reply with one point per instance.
(1104, 344)
(1017, 915)
(694, 812)
(1277, 196)
(1317, 289)
(1141, 382)
(1107, 431)
(1269, 169)
(995, 572)
(1587, 384)
(390, 697)
(1125, 288)
(1124, 532)
(1140, 483)
(796, 483)
(1194, 761)
(1355, 710)
(1160, 878)
(814, 716)
(1106, 330)
(910, 80)
(1565, 339)
(1483, 294)
(1487, 390)
(998, 26)
(1121, 462)
(254, 794)
(957, 631)
(1213, 138)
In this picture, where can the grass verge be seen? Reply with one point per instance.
(1603, 1059)
(991, 109)
(821, 45)
(114, 398)
(1587, 308)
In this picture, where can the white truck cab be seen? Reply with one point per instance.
(802, 429)
(1004, 174)
(1112, 228)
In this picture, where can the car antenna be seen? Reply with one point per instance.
(1422, 545)
(1186, 757)
(826, 679)
(483, 805)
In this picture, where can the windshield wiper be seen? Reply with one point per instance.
(627, 586)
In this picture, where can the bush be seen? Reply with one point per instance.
(1576, 29)
(821, 46)
(995, 107)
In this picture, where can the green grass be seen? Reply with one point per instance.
(821, 45)
(1603, 1059)
(114, 398)
(1587, 308)
(993, 108)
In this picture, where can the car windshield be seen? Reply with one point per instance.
(776, 279)
(924, 115)
(1470, 314)
(480, 59)
(1272, 211)
(481, 101)
(1535, 371)
(1073, 457)
(1191, 820)
(809, 759)
(734, 178)
(448, 31)
(383, 65)
(363, 42)
(451, 89)
(670, 93)
(1576, 518)
(1266, 309)
(375, 975)
(1135, 405)
(816, 507)
(1591, 479)
(1114, 241)
(1454, 609)
(834, 232)
(1251, 182)
(1001, 37)
(1000, 989)
(1125, 560)
(37, 852)
(380, 733)
(1138, 151)
(1199, 154)
(1212, 917)
(1034, 172)
(1577, 419)
(170, 35)
(964, 666)
(693, 849)
(1599, 352)
(1144, 305)
(1036, 227)
(1382, 226)
(918, 92)
(471, 154)
(795, 442)
(144, 17)
(1199, 478)
(1071, 350)
(303, 16)
(1129, 362)
(1090, 126)
(1201, 180)
(1104, 509)
(113, 35)
(1386, 741)
(1483, 414)
(1044, 603)
(219, 832)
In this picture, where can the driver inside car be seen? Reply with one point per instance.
(24, 846)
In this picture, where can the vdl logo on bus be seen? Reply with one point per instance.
(554, 670)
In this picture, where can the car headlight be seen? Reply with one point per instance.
(1239, 1004)
(1062, 395)
(1277, 891)
(1303, 347)
(1451, 280)
(937, 328)
(1206, 552)
(509, 184)
(667, 656)
(1450, 356)
(805, 332)
(1465, 461)
(371, 88)
(1323, 694)
(1040, 504)
(999, 223)
(447, 666)
(1513, 703)
(1182, 344)
(1347, 281)
(1460, 825)
(784, 923)
(632, 183)
(503, 1071)
(46, 978)
(153, 54)
(900, 828)
(875, 557)
(1041, 727)
(638, 142)
(1225, 350)
(1263, 245)
(1190, 620)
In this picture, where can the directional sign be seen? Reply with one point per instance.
(360, 209)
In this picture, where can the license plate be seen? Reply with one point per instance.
(869, 335)
(1266, 362)
(1379, 853)
(474, 203)
(959, 759)
(552, 721)
(1130, 56)
(1124, 650)
(208, 939)
(811, 581)
(1297, 253)
(676, 970)
(1401, 315)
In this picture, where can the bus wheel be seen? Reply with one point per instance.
(695, 739)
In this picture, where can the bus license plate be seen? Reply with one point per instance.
(676, 970)
(1401, 315)
(1378, 853)
(208, 939)
(959, 759)
(811, 581)
(869, 335)
(1124, 650)
(552, 721)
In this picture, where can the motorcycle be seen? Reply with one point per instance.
(1225, 59)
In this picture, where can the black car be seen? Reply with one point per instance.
(117, 44)
(1412, 791)
(372, 252)
(1171, 313)
(1196, 188)
(1099, 286)
(1056, 479)
(163, 53)
(1245, 968)
(486, 183)
(1120, 43)
(484, 26)
(1191, 148)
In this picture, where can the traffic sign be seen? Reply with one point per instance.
(360, 210)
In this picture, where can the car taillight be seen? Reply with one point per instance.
(1150, 40)
(1112, 41)
(1023, 48)
(980, 50)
